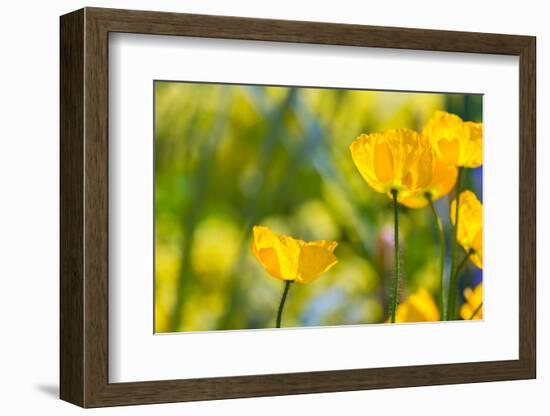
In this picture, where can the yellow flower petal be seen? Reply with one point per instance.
(443, 181)
(449, 149)
(418, 307)
(456, 142)
(287, 258)
(474, 148)
(263, 249)
(315, 258)
(477, 245)
(474, 299)
(470, 225)
(288, 252)
(362, 152)
(383, 162)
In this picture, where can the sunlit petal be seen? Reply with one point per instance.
(398, 159)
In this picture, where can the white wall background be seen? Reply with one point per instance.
(29, 206)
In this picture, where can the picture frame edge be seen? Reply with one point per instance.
(84, 212)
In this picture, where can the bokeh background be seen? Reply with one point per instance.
(228, 157)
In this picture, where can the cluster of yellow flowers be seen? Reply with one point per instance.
(417, 165)
(413, 169)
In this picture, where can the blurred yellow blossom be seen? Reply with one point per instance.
(400, 160)
(202, 311)
(315, 220)
(215, 246)
(473, 308)
(290, 259)
(457, 142)
(167, 265)
(470, 227)
(443, 181)
(162, 318)
(418, 307)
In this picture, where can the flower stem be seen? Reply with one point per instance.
(396, 255)
(453, 283)
(282, 303)
(439, 225)
(452, 289)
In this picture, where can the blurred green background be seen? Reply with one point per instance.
(228, 157)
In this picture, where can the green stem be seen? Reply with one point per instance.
(476, 311)
(439, 225)
(452, 290)
(396, 255)
(282, 303)
(453, 284)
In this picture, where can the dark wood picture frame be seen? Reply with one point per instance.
(84, 207)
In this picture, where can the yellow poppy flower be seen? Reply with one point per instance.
(443, 181)
(473, 308)
(418, 307)
(290, 259)
(398, 159)
(470, 225)
(457, 142)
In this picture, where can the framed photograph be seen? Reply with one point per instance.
(255, 207)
